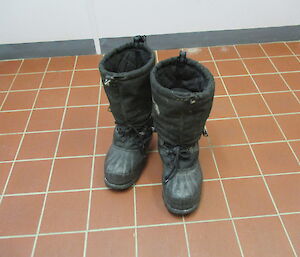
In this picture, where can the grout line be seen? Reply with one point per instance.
(46, 88)
(258, 165)
(92, 175)
(294, 54)
(96, 105)
(136, 244)
(147, 226)
(152, 151)
(186, 237)
(10, 86)
(219, 175)
(53, 161)
(147, 185)
(105, 127)
(295, 155)
(23, 134)
(50, 71)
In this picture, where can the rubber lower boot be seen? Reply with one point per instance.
(125, 76)
(182, 92)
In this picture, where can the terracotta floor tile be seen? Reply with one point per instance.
(75, 143)
(286, 63)
(5, 169)
(29, 177)
(57, 79)
(38, 145)
(103, 98)
(51, 98)
(2, 96)
(9, 67)
(235, 161)
(224, 132)
(72, 212)
(84, 78)
(263, 237)
(250, 50)
(276, 49)
(229, 68)
(27, 81)
(150, 241)
(249, 105)
(88, 61)
(17, 247)
(198, 53)
(149, 200)
(203, 238)
(34, 65)
(278, 102)
(104, 140)
(204, 141)
(261, 129)
(165, 54)
(292, 79)
(152, 173)
(5, 82)
(11, 122)
(297, 95)
(19, 100)
(8, 146)
(83, 96)
(259, 65)
(61, 63)
(73, 173)
(105, 117)
(153, 142)
(219, 87)
(82, 117)
(98, 179)
(212, 203)
(290, 125)
(111, 243)
(111, 209)
(296, 148)
(208, 167)
(19, 215)
(222, 108)
(271, 82)
(291, 223)
(239, 85)
(295, 46)
(224, 52)
(45, 119)
(285, 190)
(211, 67)
(275, 158)
(60, 245)
(248, 197)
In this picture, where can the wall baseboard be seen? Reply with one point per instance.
(164, 41)
(47, 49)
(211, 38)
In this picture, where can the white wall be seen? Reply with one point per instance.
(49, 20)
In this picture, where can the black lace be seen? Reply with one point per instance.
(126, 131)
(175, 153)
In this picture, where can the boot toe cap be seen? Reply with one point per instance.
(122, 168)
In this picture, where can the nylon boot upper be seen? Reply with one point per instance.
(182, 92)
(125, 76)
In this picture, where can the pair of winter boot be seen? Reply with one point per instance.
(173, 98)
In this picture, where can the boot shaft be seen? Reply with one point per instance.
(182, 92)
(125, 76)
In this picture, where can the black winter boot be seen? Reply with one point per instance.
(182, 92)
(126, 78)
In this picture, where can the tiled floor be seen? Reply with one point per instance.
(55, 130)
